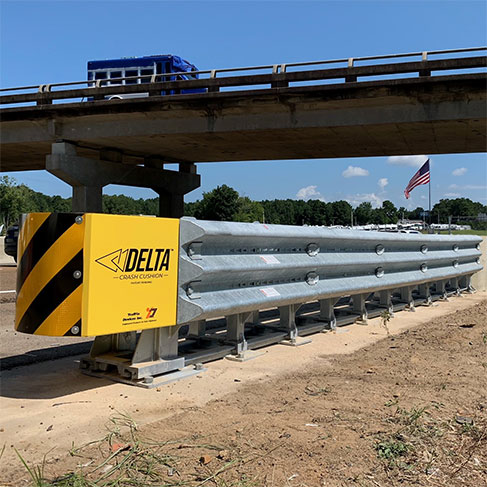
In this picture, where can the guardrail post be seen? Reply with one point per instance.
(43, 97)
(424, 60)
(236, 332)
(385, 301)
(279, 83)
(466, 283)
(425, 293)
(358, 306)
(440, 288)
(327, 312)
(407, 297)
(213, 88)
(351, 77)
(454, 284)
(197, 329)
(287, 320)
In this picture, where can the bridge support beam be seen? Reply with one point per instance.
(88, 176)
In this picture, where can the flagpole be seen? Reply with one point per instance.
(429, 191)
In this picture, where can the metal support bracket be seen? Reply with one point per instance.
(385, 301)
(407, 297)
(197, 329)
(440, 288)
(236, 332)
(327, 313)
(358, 306)
(425, 293)
(287, 316)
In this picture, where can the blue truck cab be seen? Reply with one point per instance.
(110, 71)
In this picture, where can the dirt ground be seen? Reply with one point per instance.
(408, 408)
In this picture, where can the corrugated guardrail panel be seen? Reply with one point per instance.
(228, 268)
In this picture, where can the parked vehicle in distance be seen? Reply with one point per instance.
(109, 72)
(11, 238)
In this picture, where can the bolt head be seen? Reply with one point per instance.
(77, 274)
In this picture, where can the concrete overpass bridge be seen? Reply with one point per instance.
(376, 106)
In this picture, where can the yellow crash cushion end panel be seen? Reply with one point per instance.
(53, 260)
(30, 226)
(130, 273)
(64, 317)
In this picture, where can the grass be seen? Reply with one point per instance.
(422, 444)
(124, 458)
(481, 233)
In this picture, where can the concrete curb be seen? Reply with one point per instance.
(4, 258)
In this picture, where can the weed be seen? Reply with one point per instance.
(386, 316)
(391, 449)
(36, 472)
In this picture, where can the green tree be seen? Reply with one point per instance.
(342, 213)
(12, 201)
(363, 213)
(390, 211)
(249, 211)
(220, 204)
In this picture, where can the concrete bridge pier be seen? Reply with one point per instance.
(88, 177)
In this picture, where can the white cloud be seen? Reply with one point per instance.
(452, 195)
(309, 193)
(467, 187)
(372, 198)
(460, 171)
(383, 182)
(411, 161)
(353, 171)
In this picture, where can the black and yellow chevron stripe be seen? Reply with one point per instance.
(50, 274)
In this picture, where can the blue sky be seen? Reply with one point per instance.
(45, 41)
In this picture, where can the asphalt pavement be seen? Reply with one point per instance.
(20, 349)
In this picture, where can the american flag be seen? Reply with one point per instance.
(421, 177)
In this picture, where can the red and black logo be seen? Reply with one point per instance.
(151, 312)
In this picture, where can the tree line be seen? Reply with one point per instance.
(225, 204)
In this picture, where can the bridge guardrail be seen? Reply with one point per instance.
(279, 77)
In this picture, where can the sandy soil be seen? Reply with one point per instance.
(314, 415)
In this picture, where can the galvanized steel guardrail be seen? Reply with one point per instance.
(275, 75)
(230, 268)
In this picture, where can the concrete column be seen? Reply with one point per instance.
(170, 204)
(87, 199)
